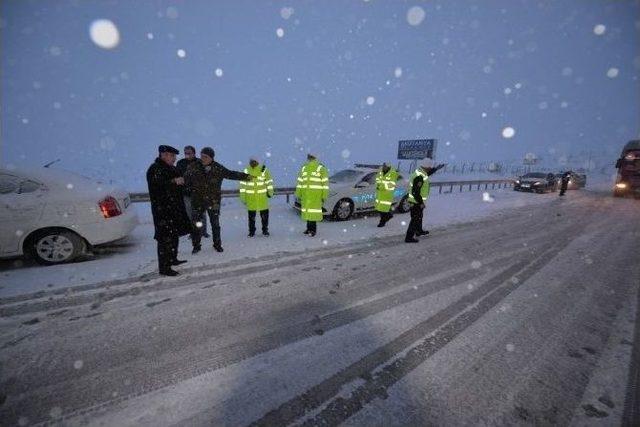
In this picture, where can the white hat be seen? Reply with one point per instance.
(426, 163)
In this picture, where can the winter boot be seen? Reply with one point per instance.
(168, 272)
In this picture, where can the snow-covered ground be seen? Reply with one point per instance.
(136, 255)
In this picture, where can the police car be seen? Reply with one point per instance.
(353, 191)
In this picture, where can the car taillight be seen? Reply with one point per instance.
(109, 207)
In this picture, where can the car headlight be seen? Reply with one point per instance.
(537, 183)
(517, 181)
(621, 185)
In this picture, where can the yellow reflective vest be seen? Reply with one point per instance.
(256, 192)
(312, 189)
(385, 188)
(424, 190)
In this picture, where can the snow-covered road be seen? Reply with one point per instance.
(526, 316)
(136, 256)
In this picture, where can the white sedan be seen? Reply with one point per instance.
(354, 190)
(56, 216)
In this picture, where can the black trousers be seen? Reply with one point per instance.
(563, 189)
(415, 226)
(167, 252)
(312, 226)
(198, 215)
(264, 218)
(385, 217)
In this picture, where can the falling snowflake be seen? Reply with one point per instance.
(286, 12)
(25, 121)
(181, 53)
(55, 51)
(612, 72)
(280, 32)
(508, 132)
(567, 71)
(370, 100)
(486, 197)
(564, 104)
(418, 115)
(150, 36)
(476, 264)
(507, 91)
(107, 143)
(219, 72)
(403, 223)
(346, 153)
(415, 15)
(543, 105)
(104, 33)
(172, 12)
(175, 100)
(599, 29)
(510, 347)
(398, 72)
(325, 242)
(267, 154)
(78, 364)
(484, 115)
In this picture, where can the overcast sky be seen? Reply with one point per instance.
(343, 79)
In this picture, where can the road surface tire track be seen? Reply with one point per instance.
(483, 298)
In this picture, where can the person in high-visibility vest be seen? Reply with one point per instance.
(418, 194)
(255, 194)
(385, 188)
(312, 189)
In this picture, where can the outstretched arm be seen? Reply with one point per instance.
(234, 175)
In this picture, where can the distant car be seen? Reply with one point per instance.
(354, 190)
(576, 180)
(56, 216)
(538, 182)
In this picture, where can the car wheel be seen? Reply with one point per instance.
(57, 246)
(403, 206)
(343, 210)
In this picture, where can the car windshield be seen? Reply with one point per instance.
(346, 175)
(535, 175)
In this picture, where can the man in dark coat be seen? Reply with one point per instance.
(167, 207)
(204, 179)
(566, 177)
(183, 165)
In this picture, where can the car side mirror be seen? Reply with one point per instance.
(362, 184)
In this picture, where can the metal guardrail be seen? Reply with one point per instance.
(476, 185)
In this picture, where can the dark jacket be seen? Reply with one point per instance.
(205, 183)
(183, 165)
(418, 181)
(167, 207)
(416, 185)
